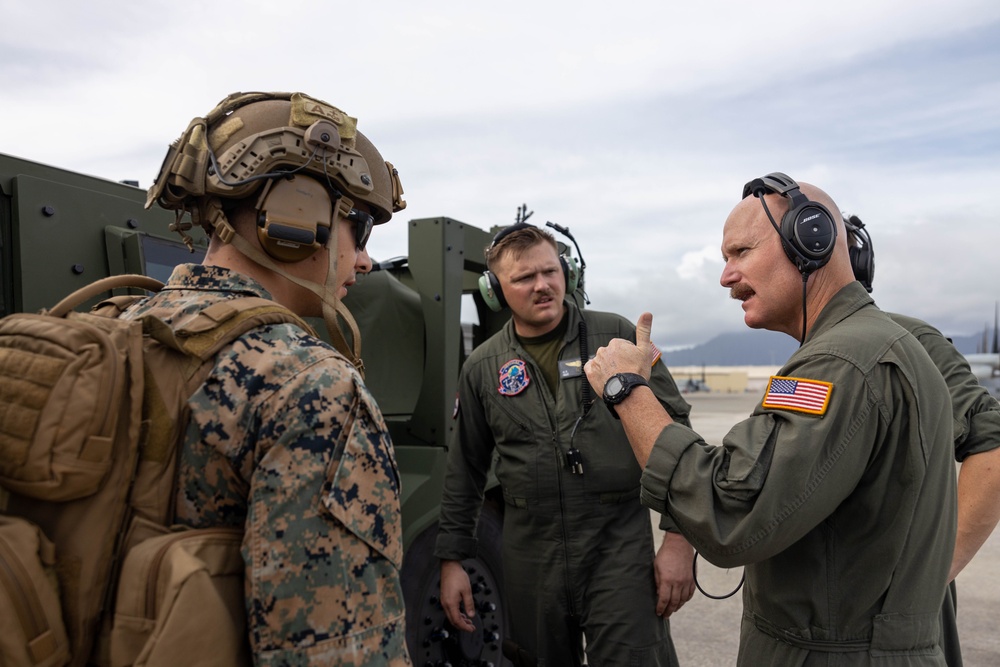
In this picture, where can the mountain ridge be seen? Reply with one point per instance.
(758, 347)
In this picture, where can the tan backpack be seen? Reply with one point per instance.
(92, 408)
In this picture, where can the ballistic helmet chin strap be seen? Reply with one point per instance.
(327, 293)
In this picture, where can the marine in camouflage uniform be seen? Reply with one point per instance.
(285, 440)
(283, 437)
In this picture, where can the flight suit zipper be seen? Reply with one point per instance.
(551, 410)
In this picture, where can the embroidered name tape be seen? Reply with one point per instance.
(785, 393)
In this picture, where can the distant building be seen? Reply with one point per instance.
(722, 379)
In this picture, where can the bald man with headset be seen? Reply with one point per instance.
(838, 492)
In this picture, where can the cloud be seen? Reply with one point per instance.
(635, 128)
(694, 265)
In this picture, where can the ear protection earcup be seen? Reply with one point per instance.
(571, 271)
(294, 218)
(489, 286)
(808, 231)
(863, 255)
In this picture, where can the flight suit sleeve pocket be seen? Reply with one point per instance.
(749, 449)
(361, 490)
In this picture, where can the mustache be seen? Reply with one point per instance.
(740, 292)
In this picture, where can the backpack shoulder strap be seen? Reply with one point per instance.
(205, 333)
(178, 358)
(97, 287)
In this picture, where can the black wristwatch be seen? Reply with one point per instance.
(619, 386)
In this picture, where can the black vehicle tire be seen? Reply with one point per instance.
(431, 639)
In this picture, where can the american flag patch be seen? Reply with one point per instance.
(654, 354)
(786, 393)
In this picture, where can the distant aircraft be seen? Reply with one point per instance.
(986, 365)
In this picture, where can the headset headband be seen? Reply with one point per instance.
(507, 231)
(777, 183)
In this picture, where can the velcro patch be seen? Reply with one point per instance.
(798, 395)
(570, 369)
(513, 378)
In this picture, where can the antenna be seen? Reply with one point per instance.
(996, 321)
(522, 214)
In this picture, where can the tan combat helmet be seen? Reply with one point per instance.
(249, 138)
(248, 142)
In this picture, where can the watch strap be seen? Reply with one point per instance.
(629, 382)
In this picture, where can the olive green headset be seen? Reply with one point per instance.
(489, 285)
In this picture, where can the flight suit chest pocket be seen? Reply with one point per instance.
(510, 417)
(609, 466)
(520, 442)
(361, 490)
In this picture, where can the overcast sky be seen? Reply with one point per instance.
(634, 124)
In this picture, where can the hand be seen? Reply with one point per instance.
(674, 574)
(621, 356)
(456, 595)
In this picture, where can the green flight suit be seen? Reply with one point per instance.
(976, 430)
(577, 548)
(844, 516)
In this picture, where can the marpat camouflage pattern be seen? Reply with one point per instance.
(285, 439)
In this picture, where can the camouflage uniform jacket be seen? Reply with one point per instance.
(837, 493)
(285, 440)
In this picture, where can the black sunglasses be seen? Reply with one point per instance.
(363, 224)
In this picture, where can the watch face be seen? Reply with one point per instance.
(613, 386)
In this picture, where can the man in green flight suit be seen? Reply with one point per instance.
(976, 433)
(838, 492)
(578, 554)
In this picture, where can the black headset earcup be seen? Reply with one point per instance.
(489, 289)
(810, 230)
(864, 270)
(859, 247)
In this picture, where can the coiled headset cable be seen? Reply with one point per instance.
(694, 571)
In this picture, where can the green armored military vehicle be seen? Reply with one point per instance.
(61, 230)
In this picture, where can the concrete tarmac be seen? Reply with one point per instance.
(706, 631)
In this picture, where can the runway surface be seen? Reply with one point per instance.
(706, 631)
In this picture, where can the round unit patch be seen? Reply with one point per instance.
(513, 378)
